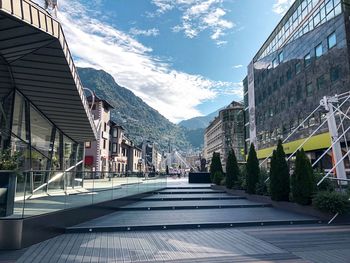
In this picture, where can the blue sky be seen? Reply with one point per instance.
(184, 58)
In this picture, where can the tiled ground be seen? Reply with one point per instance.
(313, 243)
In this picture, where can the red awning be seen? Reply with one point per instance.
(89, 160)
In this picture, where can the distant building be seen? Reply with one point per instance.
(97, 152)
(125, 156)
(226, 132)
(152, 157)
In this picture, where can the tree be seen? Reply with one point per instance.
(279, 175)
(232, 170)
(253, 170)
(215, 165)
(218, 177)
(302, 179)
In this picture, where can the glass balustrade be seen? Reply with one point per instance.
(42, 192)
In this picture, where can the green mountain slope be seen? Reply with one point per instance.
(199, 122)
(140, 120)
(195, 128)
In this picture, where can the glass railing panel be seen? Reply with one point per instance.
(6, 4)
(76, 194)
(17, 10)
(41, 192)
(37, 199)
(119, 189)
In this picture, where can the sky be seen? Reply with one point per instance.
(184, 58)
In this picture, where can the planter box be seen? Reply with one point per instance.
(199, 178)
(289, 206)
(7, 192)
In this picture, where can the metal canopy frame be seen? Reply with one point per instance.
(34, 48)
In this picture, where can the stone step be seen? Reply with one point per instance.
(190, 198)
(179, 207)
(188, 192)
(228, 224)
(192, 218)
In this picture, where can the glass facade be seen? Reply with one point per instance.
(315, 64)
(303, 17)
(42, 146)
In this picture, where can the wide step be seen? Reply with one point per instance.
(181, 219)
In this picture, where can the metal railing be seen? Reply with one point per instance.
(41, 192)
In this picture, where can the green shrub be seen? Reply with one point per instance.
(232, 170)
(326, 185)
(215, 165)
(8, 160)
(262, 187)
(279, 175)
(242, 178)
(331, 202)
(223, 181)
(218, 177)
(253, 170)
(302, 179)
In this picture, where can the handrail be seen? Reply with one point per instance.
(330, 147)
(330, 171)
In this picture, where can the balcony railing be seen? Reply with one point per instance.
(42, 192)
(38, 17)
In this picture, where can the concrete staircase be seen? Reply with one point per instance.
(188, 207)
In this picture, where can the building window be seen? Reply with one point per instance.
(332, 40)
(321, 81)
(307, 60)
(105, 126)
(115, 132)
(289, 74)
(114, 147)
(334, 74)
(318, 50)
(309, 89)
(280, 57)
(297, 67)
(104, 144)
(87, 144)
(274, 63)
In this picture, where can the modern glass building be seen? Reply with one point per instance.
(305, 58)
(44, 114)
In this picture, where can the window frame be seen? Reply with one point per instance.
(335, 38)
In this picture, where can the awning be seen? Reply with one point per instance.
(36, 60)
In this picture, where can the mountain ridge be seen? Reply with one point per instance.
(200, 121)
(140, 121)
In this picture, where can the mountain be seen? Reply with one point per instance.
(199, 122)
(140, 121)
(195, 128)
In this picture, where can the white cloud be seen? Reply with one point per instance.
(237, 66)
(282, 6)
(175, 94)
(149, 32)
(197, 16)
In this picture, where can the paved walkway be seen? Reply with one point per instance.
(124, 243)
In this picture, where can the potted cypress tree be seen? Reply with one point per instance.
(8, 166)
